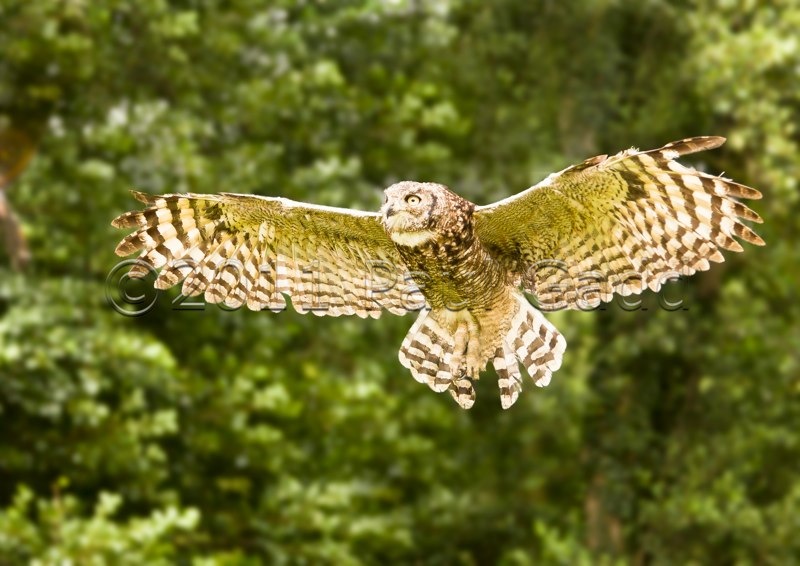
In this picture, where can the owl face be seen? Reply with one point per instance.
(410, 211)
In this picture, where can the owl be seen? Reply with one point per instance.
(618, 224)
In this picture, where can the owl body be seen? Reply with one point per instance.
(471, 298)
(609, 225)
(450, 264)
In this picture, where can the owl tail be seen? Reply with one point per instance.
(447, 350)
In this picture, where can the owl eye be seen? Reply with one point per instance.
(413, 199)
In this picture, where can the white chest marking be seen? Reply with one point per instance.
(412, 239)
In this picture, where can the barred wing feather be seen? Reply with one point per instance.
(247, 249)
(618, 224)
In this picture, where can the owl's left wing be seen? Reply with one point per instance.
(248, 249)
(617, 224)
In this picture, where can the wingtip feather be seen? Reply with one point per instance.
(143, 197)
(126, 220)
(692, 145)
(128, 245)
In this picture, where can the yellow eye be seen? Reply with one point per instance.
(413, 199)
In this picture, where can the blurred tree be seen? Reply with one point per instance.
(195, 434)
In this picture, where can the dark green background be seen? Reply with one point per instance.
(210, 437)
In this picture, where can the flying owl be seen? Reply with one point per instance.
(617, 224)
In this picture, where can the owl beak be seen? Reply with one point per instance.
(389, 212)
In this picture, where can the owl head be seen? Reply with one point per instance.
(414, 213)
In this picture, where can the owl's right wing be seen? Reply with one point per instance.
(248, 249)
(617, 224)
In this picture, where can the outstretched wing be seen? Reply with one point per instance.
(253, 250)
(617, 225)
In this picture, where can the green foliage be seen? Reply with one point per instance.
(61, 534)
(202, 436)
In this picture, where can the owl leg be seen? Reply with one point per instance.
(460, 341)
(466, 358)
(461, 388)
(465, 363)
(466, 350)
(474, 361)
(439, 350)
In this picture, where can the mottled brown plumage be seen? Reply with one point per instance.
(608, 225)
